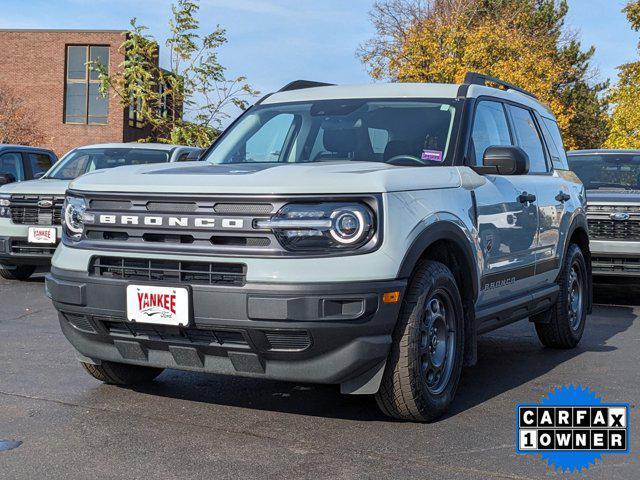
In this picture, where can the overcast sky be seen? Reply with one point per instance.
(275, 41)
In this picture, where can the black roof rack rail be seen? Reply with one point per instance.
(474, 78)
(301, 84)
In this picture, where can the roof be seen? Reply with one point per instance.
(152, 146)
(603, 151)
(5, 146)
(400, 90)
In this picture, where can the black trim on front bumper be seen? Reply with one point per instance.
(321, 333)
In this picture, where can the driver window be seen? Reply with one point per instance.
(11, 163)
(266, 144)
(490, 128)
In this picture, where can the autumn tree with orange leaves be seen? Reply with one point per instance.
(520, 41)
(17, 124)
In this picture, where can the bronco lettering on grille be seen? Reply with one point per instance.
(171, 221)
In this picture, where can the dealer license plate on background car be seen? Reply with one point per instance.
(41, 235)
(158, 305)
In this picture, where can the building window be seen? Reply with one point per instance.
(135, 119)
(83, 102)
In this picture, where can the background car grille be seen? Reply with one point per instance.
(617, 265)
(600, 229)
(20, 247)
(201, 273)
(25, 211)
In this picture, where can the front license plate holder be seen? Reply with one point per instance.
(159, 305)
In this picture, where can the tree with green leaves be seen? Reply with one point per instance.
(625, 95)
(187, 103)
(521, 41)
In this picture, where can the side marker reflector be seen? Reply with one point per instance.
(391, 297)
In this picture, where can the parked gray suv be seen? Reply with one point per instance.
(612, 181)
(353, 235)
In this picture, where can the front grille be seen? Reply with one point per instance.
(170, 271)
(632, 209)
(604, 229)
(615, 265)
(288, 340)
(196, 336)
(19, 247)
(24, 210)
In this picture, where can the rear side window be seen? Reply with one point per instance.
(552, 135)
(490, 129)
(11, 163)
(528, 138)
(40, 162)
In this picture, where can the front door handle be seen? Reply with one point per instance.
(525, 198)
(563, 197)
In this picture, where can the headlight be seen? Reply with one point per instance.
(4, 206)
(73, 218)
(322, 226)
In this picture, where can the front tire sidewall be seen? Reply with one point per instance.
(576, 258)
(438, 402)
(405, 394)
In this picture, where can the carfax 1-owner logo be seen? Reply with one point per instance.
(572, 427)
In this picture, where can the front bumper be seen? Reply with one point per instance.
(319, 333)
(615, 258)
(18, 251)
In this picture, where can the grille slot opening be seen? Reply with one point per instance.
(172, 207)
(243, 208)
(164, 238)
(240, 241)
(97, 235)
(230, 274)
(288, 340)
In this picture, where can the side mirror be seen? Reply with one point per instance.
(39, 175)
(6, 178)
(504, 160)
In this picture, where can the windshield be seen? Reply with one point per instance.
(607, 171)
(79, 162)
(405, 132)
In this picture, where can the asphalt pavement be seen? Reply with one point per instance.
(65, 424)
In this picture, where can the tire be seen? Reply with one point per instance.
(122, 374)
(432, 308)
(19, 272)
(568, 317)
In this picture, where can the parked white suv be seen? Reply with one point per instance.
(30, 212)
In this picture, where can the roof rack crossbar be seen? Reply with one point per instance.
(301, 84)
(474, 78)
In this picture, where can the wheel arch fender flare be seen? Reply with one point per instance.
(437, 231)
(579, 222)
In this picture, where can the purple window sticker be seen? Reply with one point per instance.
(433, 155)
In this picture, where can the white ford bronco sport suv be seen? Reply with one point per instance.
(361, 236)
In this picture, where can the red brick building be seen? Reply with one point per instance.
(47, 70)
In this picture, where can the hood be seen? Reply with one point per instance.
(613, 196)
(37, 187)
(301, 178)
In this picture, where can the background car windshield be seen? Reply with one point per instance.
(87, 160)
(616, 171)
(416, 132)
